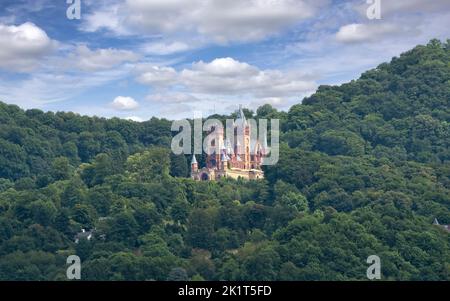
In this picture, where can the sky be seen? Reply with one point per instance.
(137, 59)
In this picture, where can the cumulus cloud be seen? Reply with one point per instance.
(101, 59)
(226, 76)
(155, 75)
(23, 46)
(389, 8)
(226, 79)
(124, 103)
(251, 19)
(401, 21)
(357, 32)
(106, 17)
(222, 21)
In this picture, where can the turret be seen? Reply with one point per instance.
(194, 164)
(224, 161)
(264, 147)
(241, 117)
(229, 147)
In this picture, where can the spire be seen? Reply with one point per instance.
(435, 222)
(264, 142)
(241, 115)
(257, 147)
(223, 148)
(229, 147)
(194, 160)
(224, 158)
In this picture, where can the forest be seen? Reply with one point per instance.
(364, 170)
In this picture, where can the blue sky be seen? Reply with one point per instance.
(168, 58)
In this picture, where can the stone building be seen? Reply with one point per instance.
(241, 159)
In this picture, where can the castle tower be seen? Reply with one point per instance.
(215, 147)
(224, 162)
(233, 159)
(194, 164)
(245, 127)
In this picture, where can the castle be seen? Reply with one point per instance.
(241, 159)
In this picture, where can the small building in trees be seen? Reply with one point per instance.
(445, 227)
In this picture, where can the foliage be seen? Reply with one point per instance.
(364, 169)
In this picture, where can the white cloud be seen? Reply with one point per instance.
(167, 48)
(226, 76)
(221, 81)
(252, 19)
(415, 6)
(389, 8)
(124, 103)
(107, 18)
(223, 67)
(155, 75)
(46, 86)
(222, 21)
(135, 118)
(172, 97)
(357, 32)
(23, 46)
(101, 59)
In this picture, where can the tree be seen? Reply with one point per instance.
(12, 161)
(151, 164)
(62, 222)
(178, 274)
(294, 201)
(335, 142)
(201, 264)
(124, 228)
(178, 165)
(179, 211)
(61, 169)
(261, 264)
(83, 214)
(103, 167)
(200, 229)
(84, 249)
(43, 212)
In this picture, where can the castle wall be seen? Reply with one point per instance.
(207, 174)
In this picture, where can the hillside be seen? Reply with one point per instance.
(364, 170)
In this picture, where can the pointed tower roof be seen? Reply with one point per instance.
(435, 222)
(194, 160)
(241, 115)
(257, 147)
(229, 147)
(264, 142)
(223, 147)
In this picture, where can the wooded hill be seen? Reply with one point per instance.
(364, 170)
